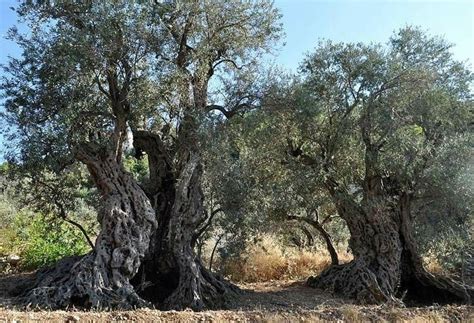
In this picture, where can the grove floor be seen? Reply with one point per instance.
(276, 301)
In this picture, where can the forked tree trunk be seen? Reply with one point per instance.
(101, 278)
(416, 283)
(197, 288)
(386, 264)
(173, 274)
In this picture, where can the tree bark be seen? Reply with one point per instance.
(386, 263)
(197, 288)
(177, 279)
(101, 278)
(416, 282)
(373, 274)
(158, 276)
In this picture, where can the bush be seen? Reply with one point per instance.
(49, 242)
(40, 241)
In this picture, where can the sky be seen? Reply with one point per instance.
(307, 21)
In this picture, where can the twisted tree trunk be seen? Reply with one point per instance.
(101, 278)
(386, 263)
(197, 288)
(157, 277)
(173, 275)
(373, 275)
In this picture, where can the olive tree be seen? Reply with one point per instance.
(97, 78)
(369, 122)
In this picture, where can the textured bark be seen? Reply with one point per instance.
(101, 278)
(197, 288)
(416, 283)
(172, 275)
(373, 275)
(158, 276)
(386, 265)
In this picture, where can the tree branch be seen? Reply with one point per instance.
(229, 113)
(227, 60)
(323, 232)
(204, 228)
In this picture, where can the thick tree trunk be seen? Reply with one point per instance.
(386, 265)
(172, 273)
(373, 275)
(417, 284)
(158, 276)
(101, 279)
(197, 288)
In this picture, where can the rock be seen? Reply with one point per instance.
(13, 260)
(73, 318)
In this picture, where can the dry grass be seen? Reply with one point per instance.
(268, 260)
(351, 313)
(433, 266)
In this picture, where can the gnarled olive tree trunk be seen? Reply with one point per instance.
(174, 276)
(373, 275)
(157, 277)
(386, 265)
(197, 288)
(101, 278)
(418, 284)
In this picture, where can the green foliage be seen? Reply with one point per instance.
(445, 220)
(49, 242)
(40, 241)
(408, 104)
(137, 167)
(7, 211)
(4, 168)
(401, 112)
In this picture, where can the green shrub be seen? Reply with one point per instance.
(40, 241)
(51, 241)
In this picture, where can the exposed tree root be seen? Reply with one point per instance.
(365, 278)
(354, 280)
(387, 266)
(77, 282)
(201, 290)
(361, 284)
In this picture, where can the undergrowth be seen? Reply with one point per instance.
(268, 259)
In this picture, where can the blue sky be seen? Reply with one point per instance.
(306, 21)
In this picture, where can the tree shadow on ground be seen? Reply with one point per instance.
(283, 295)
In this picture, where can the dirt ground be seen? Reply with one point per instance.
(277, 301)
